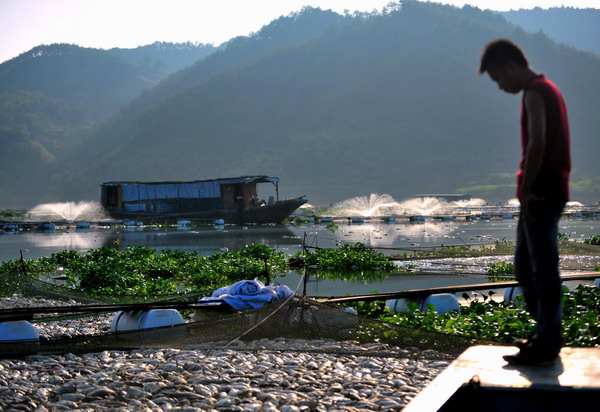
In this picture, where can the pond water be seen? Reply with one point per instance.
(388, 237)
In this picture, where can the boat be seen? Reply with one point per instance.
(233, 200)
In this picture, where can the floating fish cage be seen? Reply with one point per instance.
(47, 226)
(132, 223)
(10, 227)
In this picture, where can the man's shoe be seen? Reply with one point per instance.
(521, 344)
(531, 358)
(532, 341)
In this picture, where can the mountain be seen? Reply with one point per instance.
(388, 103)
(52, 96)
(159, 59)
(341, 106)
(286, 31)
(97, 81)
(26, 168)
(579, 28)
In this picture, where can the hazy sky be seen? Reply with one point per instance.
(25, 24)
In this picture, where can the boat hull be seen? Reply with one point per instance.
(276, 212)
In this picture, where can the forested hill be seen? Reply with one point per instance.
(52, 96)
(159, 59)
(579, 28)
(98, 82)
(286, 31)
(346, 106)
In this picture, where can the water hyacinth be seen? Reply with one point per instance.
(347, 257)
(143, 271)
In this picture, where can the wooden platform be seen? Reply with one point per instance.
(480, 379)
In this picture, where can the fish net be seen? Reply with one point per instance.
(83, 324)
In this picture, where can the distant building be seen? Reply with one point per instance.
(445, 197)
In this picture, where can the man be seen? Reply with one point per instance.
(543, 190)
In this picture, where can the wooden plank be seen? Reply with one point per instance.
(27, 313)
(415, 293)
(578, 369)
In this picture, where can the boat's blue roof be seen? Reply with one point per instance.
(227, 180)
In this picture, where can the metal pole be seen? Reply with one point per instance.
(305, 267)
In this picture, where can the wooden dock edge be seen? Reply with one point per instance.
(573, 380)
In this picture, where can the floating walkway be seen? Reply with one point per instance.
(484, 214)
(480, 214)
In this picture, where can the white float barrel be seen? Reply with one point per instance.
(443, 303)
(350, 310)
(139, 320)
(511, 294)
(17, 331)
(400, 305)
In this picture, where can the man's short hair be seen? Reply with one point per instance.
(499, 53)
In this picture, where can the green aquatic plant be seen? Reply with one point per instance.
(331, 227)
(501, 322)
(501, 268)
(594, 240)
(143, 271)
(300, 220)
(346, 257)
(11, 214)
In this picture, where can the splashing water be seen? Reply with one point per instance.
(385, 205)
(513, 203)
(425, 206)
(367, 206)
(465, 204)
(69, 211)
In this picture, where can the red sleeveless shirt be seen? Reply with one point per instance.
(552, 182)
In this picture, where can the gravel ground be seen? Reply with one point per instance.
(265, 375)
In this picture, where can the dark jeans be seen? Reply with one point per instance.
(536, 268)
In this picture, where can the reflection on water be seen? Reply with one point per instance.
(335, 287)
(289, 239)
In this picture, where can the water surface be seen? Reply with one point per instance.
(390, 238)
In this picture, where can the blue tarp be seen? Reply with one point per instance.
(136, 192)
(249, 294)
